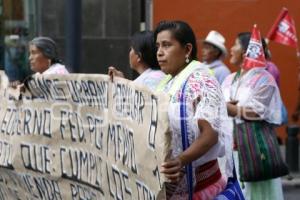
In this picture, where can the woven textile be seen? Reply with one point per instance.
(258, 151)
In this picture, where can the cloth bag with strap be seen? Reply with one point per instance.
(256, 142)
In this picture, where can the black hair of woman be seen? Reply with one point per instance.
(143, 44)
(266, 49)
(181, 31)
(244, 39)
(48, 47)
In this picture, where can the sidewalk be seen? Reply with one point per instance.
(293, 179)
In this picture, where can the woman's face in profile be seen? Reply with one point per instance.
(170, 54)
(38, 62)
(236, 53)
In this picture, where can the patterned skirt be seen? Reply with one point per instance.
(209, 183)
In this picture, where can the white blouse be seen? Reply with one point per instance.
(56, 69)
(256, 90)
(151, 78)
(204, 100)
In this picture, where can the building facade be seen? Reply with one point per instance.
(106, 28)
(230, 17)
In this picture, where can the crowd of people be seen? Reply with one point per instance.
(215, 101)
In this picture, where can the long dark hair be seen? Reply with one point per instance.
(181, 31)
(244, 39)
(144, 45)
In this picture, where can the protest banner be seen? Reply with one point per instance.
(82, 136)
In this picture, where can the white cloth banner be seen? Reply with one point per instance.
(82, 136)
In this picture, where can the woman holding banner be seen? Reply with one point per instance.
(197, 115)
(43, 57)
(254, 104)
(142, 59)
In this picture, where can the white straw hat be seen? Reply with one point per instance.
(215, 38)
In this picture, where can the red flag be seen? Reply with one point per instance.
(284, 30)
(255, 56)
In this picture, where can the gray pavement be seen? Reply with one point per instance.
(291, 186)
(291, 182)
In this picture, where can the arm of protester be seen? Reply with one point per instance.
(17, 85)
(239, 111)
(15, 89)
(173, 168)
(14, 84)
(113, 72)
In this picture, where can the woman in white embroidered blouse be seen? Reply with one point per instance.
(43, 57)
(206, 114)
(253, 95)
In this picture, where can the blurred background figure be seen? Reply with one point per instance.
(142, 59)
(15, 64)
(274, 71)
(43, 57)
(213, 52)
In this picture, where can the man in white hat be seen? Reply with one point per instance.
(213, 52)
